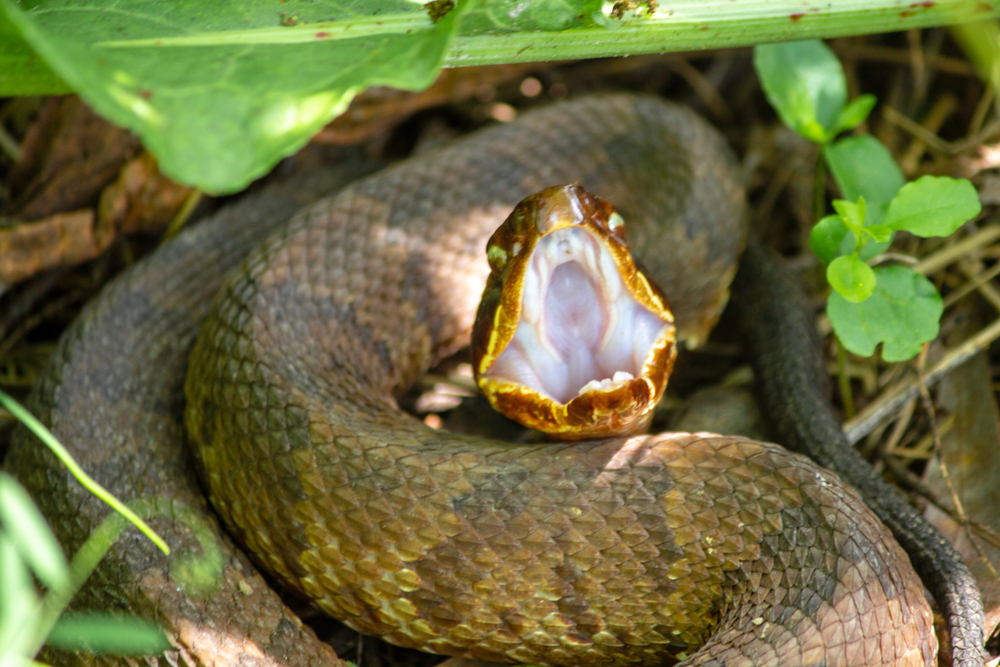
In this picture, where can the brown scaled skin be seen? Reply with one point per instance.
(622, 410)
(613, 552)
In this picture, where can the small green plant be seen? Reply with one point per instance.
(29, 551)
(891, 305)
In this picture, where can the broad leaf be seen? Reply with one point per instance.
(804, 82)
(22, 71)
(220, 91)
(826, 237)
(105, 633)
(933, 206)
(902, 313)
(863, 167)
(854, 279)
(31, 535)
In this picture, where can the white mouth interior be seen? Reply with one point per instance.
(580, 329)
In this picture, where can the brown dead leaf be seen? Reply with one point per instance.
(64, 238)
(142, 199)
(971, 452)
(68, 155)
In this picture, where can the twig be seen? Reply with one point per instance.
(873, 53)
(973, 284)
(916, 129)
(917, 486)
(702, 87)
(943, 107)
(953, 253)
(979, 115)
(888, 404)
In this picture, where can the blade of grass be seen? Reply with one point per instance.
(88, 482)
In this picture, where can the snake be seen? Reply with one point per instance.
(312, 306)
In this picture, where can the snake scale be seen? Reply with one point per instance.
(706, 549)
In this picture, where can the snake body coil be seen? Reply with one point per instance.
(710, 549)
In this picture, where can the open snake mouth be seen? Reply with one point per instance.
(571, 337)
(580, 328)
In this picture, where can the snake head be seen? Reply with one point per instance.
(571, 338)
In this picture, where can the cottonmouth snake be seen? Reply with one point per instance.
(613, 552)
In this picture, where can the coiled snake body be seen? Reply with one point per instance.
(708, 549)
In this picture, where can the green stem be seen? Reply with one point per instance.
(708, 24)
(819, 187)
(45, 435)
(844, 382)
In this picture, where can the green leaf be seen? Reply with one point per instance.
(31, 535)
(933, 206)
(902, 313)
(852, 213)
(863, 167)
(855, 112)
(805, 84)
(880, 233)
(854, 279)
(22, 71)
(826, 236)
(502, 16)
(221, 91)
(105, 633)
(19, 603)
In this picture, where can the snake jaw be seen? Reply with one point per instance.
(562, 257)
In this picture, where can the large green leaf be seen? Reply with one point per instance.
(902, 313)
(805, 83)
(933, 206)
(222, 90)
(22, 71)
(863, 167)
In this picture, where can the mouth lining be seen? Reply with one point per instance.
(580, 328)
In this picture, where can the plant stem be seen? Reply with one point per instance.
(819, 187)
(43, 434)
(844, 382)
(706, 24)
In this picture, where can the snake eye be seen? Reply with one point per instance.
(497, 257)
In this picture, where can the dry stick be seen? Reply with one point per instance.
(911, 481)
(886, 54)
(889, 403)
(975, 284)
(916, 129)
(917, 64)
(953, 253)
(943, 107)
(979, 115)
(702, 87)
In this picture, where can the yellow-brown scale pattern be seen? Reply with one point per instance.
(613, 552)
